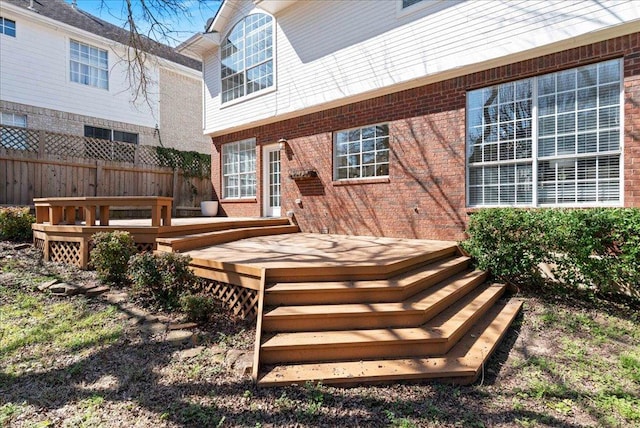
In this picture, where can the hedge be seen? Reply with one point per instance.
(597, 248)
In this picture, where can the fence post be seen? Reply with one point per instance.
(176, 190)
(99, 177)
(136, 155)
(42, 138)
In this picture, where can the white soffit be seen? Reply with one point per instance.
(273, 6)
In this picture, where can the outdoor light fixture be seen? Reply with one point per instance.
(282, 143)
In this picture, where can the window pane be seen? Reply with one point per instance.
(566, 81)
(8, 27)
(587, 98)
(587, 76)
(609, 72)
(609, 95)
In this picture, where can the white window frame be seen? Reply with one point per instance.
(13, 119)
(559, 160)
(242, 73)
(18, 137)
(4, 28)
(347, 140)
(240, 168)
(90, 68)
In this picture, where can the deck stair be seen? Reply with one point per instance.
(226, 233)
(434, 319)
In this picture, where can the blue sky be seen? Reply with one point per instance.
(198, 12)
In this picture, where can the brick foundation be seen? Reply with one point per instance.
(424, 196)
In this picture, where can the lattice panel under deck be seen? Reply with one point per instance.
(39, 243)
(16, 138)
(242, 301)
(144, 247)
(65, 252)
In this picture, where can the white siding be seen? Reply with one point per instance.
(332, 52)
(35, 71)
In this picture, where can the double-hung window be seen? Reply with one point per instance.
(553, 140)
(247, 57)
(239, 169)
(7, 27)
(361, 152)
(88, 65)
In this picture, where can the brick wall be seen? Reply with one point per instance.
(181, 112)
(424, 196)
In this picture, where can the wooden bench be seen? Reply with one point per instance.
(53, 210)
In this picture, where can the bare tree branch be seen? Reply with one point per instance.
(149, 24)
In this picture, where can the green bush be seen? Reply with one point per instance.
(161, 279)
(110, 255)
(15, 224)
(597, 248)
(197, 307)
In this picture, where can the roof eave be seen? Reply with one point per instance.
(273, 6)
(197, 45)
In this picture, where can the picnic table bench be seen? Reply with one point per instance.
(53, 210)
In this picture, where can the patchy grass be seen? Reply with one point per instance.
(34, 326)
(78, 362)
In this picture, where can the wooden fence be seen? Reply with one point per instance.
(35, 163)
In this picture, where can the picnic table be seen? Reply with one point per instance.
(59, 210)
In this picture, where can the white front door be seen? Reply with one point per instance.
(271, 168)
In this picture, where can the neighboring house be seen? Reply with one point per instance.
(64, 70)
(401, 117)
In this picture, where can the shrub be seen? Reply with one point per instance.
(110, 255)
(599, 247)
(197, 307)
(507, 242)
(15, 224)
(161, 279)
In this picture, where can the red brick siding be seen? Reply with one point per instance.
(425, 194)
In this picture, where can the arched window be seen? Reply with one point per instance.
(247, 57)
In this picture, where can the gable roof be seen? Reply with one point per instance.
(66, 13)
(197, 45)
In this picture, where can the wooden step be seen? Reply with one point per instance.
(433, 338)
(360, 271)
(199, 240)
(410, 313)
(462, 364)
(394, 289)
(228, 224)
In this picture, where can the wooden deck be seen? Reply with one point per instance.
(339, 309)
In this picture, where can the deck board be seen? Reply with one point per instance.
(302, 250)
